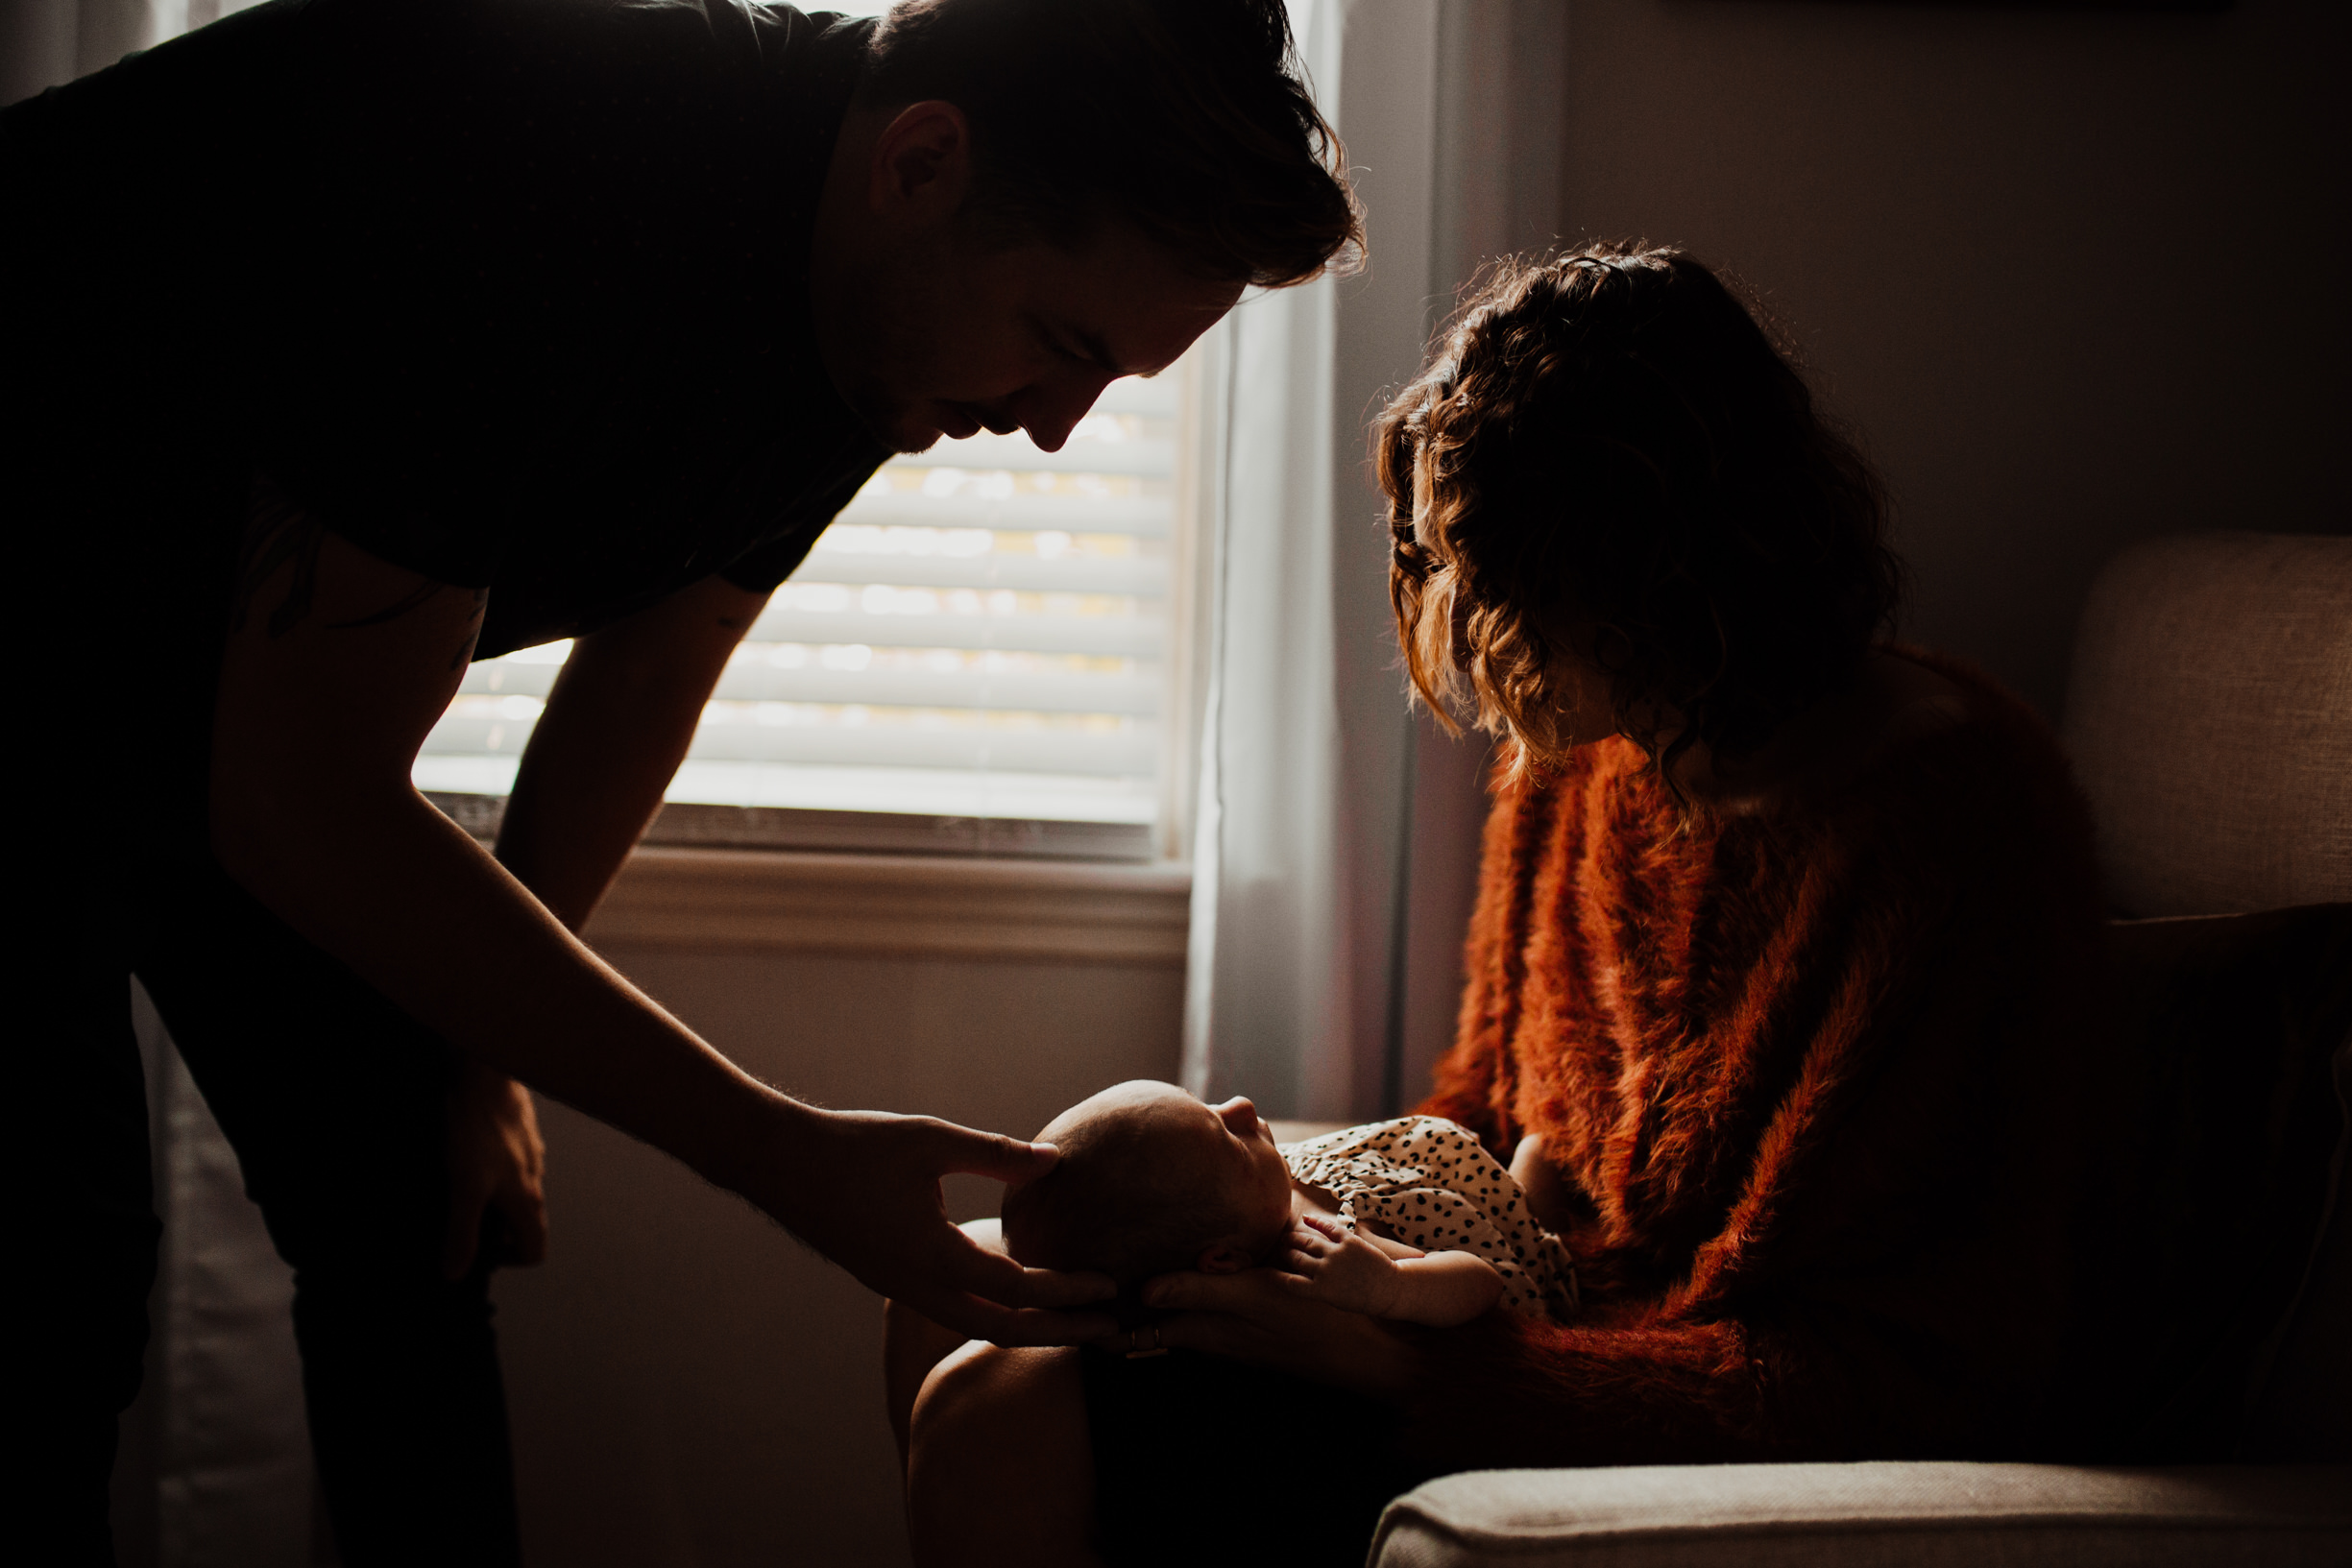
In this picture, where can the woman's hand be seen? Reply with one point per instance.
(862, 1188)
(1340, 1268)
(1270, 1319)
(497, 1167)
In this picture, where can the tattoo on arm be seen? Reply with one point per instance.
(425, 589)
(280, 533)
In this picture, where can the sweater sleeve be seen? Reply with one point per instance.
(1883, 1270)
(1474, 1080)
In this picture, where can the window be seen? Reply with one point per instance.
(973, 658)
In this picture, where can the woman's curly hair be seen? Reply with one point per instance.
(1608, 464)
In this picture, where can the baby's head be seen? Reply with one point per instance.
(1151, 1181)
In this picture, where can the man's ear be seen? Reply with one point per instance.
(922, 164)
(1221, 1258)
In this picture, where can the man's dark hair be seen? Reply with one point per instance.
(1186, 118)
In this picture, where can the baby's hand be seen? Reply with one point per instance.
(1340, 1268)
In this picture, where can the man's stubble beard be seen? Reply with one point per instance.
(882, 335)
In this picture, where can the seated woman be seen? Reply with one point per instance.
(1784, 958)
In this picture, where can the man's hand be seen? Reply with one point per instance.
(862, 1188)
(1337, 1267)
(1265, 1317)
(496, 1166)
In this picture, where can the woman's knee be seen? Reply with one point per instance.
(999, 1467)
(987, 1412)
(912, 1346)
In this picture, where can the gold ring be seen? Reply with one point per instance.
(1136, 1352)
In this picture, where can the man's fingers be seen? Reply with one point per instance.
(976, 1318)
(995, 1156)
(984, 1295)
(1212, 1333)
(1031, 1327)
(992, 1275)
(1048, 1287)
(1202, 1292)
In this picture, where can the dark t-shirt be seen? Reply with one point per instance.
(511, 293)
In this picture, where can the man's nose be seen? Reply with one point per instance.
(1051, 410)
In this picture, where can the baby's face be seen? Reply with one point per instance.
(1223, 1150)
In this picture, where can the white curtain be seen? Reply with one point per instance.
(43, 42)
(219, 1474)
(1336, 835)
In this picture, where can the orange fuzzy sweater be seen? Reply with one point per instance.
(1816, 1078)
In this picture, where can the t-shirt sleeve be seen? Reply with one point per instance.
(448, 542)
(777, 556)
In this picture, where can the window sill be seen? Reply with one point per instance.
(692, 825)
(765, 901)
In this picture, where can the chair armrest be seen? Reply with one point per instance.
(1916, 1514)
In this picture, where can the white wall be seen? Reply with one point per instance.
(688, 1386)
(2078, 274)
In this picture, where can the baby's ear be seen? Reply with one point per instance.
(1221, 1258)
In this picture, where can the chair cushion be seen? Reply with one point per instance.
(2209, 712)
(1917, 1515)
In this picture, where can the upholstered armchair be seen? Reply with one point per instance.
(2209, 716)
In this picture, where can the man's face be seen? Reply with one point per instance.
(932, 328)
(949, 335)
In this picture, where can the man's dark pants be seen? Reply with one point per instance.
(333, 1101)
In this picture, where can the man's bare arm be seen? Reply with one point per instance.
(615, 729)
(336, 666)
(617, 725)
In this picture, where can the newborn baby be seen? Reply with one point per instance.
(1409, 1219)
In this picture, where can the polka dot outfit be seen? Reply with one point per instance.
(1430, 1184)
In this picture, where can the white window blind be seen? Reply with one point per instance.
(974, 655)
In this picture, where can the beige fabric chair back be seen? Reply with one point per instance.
(2209, 716)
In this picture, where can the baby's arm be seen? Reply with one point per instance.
(1444, 1288)
(1345, 1269)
